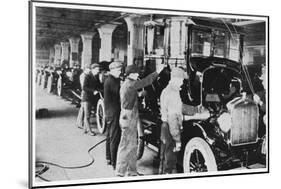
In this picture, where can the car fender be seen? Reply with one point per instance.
(193, 129)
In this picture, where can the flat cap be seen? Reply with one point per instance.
(131, 69)
(87, 66)
(115, 65)
(94, 65)
(179, 73)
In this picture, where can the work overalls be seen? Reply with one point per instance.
(171, 114)
(129, 118)
(129, 122)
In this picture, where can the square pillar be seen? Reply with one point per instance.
(64, 51)
(135, 45)
(51, 56)
(178, 36)
(57, 55)
(105, 32)
(87, 49)
(74, 43)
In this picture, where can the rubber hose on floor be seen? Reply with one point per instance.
(72, 167)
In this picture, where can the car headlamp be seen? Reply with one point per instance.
(224, 122)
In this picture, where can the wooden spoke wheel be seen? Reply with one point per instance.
(100, 116)
(198, 157)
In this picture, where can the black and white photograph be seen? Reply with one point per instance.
(124, 94)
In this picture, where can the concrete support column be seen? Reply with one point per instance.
(105, 32)
(135, 44)
(51, 56)
(87, 49)
(64, 51)
(178, 36)
(57, 54)
(74, 42)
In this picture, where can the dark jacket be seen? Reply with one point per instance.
(112, 96)
(130, 87)
(91, 84)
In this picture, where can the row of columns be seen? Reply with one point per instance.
(134, 50)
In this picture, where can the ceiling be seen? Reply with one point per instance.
(54, 25)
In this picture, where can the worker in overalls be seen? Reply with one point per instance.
(129, 119)
(172, 117)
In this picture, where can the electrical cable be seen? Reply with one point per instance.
(244, 68)
(42, 178)
(44, 163)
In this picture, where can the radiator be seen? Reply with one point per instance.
(244, 118)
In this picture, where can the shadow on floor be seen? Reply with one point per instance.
(68, 112)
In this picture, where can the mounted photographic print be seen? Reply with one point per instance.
(123, 94)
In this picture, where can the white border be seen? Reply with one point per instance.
(138, 11)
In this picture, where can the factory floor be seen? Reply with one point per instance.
(59, 141)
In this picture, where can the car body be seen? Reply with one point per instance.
(227, 130)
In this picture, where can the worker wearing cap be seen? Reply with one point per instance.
(80, 117)
(129, 119)
(90, 87)
(112, 111)
(171, 116)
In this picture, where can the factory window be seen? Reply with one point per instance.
(201, 43)
(155, 40)
(220, 44)
(159, 39)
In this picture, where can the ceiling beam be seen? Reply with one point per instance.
(48, 18)
(51, 24)
(74, 14)
(249, 22)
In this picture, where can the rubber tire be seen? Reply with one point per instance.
(205, 150)
(101, 126)
(49, 84)
(59, 86)
(140, 148)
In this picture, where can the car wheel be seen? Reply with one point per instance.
(198, 157)
(49, 84)
(100, 116)
(59, 86)
(140, 148)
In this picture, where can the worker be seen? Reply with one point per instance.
(90, 88)
(260, 98)
(129, 119)
(112, 111)
(171, 116)
(80, 117)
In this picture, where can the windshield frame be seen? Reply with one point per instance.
(211, 31)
